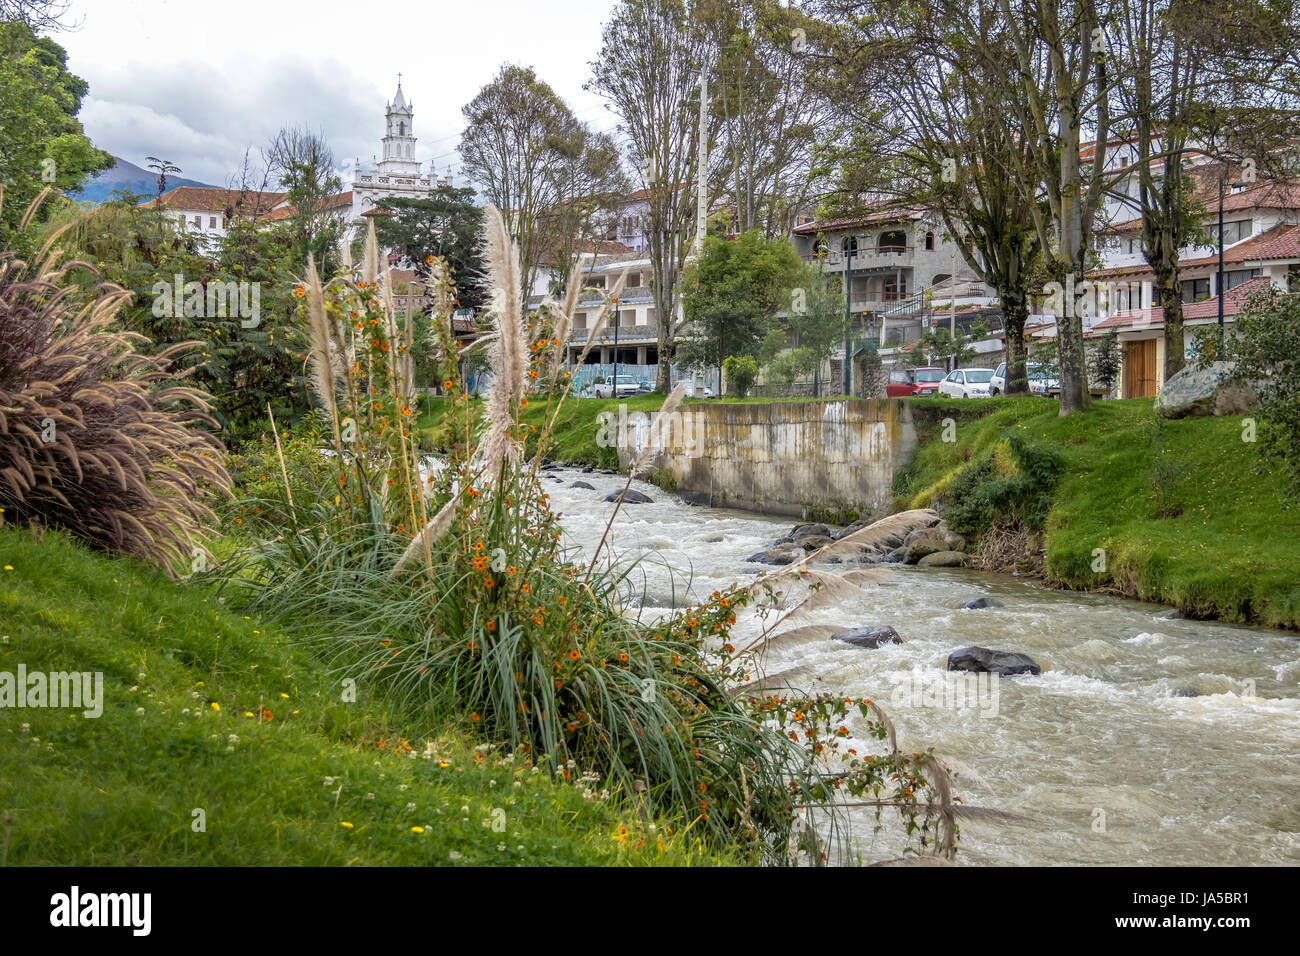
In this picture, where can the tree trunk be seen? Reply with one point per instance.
(1015, 311)
(1171, 301)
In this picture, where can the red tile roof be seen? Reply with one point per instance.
(1280, 242)
(328, 204)
(890, 214)
(214, 199)
(1154, 316)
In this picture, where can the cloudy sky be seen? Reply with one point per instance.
(197, 82)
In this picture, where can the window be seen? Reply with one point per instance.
(1237, 276)
(1232, 231)
(929, 241)
(212, 222)
(198, 222)
(1194, 290)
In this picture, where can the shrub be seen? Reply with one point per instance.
(741, 370)
(484, 619)
(1266, 348)
(979, 497)
(261, 502)
(98, 439)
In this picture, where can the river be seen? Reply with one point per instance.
(1105, 764)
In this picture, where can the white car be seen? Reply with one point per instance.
(1040, 383)
(627, 385)
(967, 383)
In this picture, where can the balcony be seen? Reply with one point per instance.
(866, 257)
(627, 334)
(630, 294)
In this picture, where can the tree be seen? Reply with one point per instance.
(517, 131)
(38, 15)
(651, 58)
(448, 224)
(1063, 83)
(162, 167)
(943, 345)
(817, 317)
(590, 185)
(730, 295)
(768, 112)
(1104, 361)
(41, 141)
(741, 370)
(303, 163)
(923, 98)
(784, 368)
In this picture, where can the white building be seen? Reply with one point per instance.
(209, 210)
(398, 174)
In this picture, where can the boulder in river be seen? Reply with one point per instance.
(1204, 391)
(868, 636)
(1187, 692)
(630, 497)
(893, 557)
(880, 537)
(583, 484)
(1174, 615)
(812, 542)
(925, 541)
(977, 604)
(986, 660)
(943, 559)
(808, 531)
(781, 554)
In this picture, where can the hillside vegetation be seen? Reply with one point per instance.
(1185, 511)
(210, 711)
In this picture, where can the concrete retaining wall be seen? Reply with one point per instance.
(794, 458)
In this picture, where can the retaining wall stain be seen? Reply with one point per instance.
(784, 457)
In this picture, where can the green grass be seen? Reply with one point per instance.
(1231, 551)
(183, 682)
(577, 430)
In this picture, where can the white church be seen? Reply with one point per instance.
(208, 210)
(398, 174)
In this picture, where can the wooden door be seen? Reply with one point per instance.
(1140, 369)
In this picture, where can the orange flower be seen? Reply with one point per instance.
(488, 583)
(475, 717)
(622, 657)
(574, 655)
(491, 625)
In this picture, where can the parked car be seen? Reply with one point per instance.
(921, 381)
(627, 385)
(1041, 382)
(967, 383)
(644, 386)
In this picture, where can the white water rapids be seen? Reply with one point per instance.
(1105, 763)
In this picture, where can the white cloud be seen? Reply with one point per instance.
(199, 83)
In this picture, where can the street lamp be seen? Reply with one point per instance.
(1237, 185)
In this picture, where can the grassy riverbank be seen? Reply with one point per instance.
(216, 712)
(1186, 512)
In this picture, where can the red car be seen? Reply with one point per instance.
(920, 382)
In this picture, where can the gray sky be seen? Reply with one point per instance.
(196, 82)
